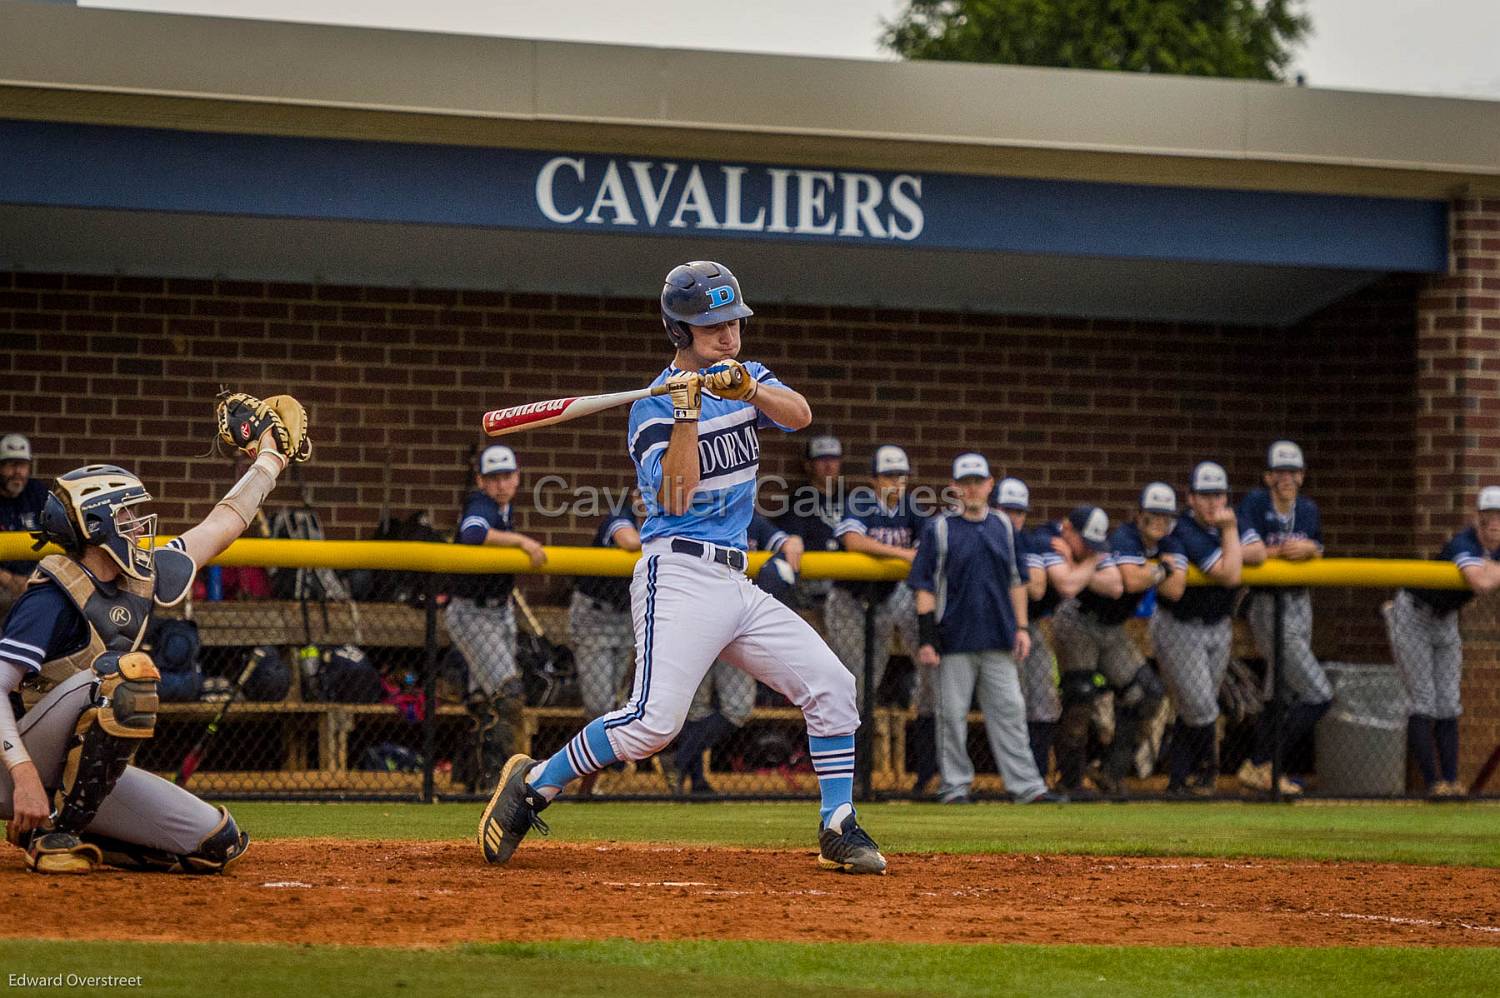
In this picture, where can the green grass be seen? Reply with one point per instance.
(720, 969)
(1459, 834)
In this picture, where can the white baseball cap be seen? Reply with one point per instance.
(890, 460)
(970, 465)
(497, 459)
(1489, 498)
(1208, 477)
(1092, 524)
(14, 447)
(824, 446)
(1012, 493)
(1158, 497)
(1284, 456)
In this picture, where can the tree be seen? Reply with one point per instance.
(1244, 39)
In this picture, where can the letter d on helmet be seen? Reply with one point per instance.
(701, 293)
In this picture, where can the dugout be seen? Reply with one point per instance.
(1095, 278)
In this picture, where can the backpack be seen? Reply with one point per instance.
(345, 675)
(303, 583)
(396, 586)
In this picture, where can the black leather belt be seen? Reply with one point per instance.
(724, 556)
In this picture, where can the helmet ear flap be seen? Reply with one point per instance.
(679, 333)
(56, 525)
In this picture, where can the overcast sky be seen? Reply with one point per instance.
(1415, 46)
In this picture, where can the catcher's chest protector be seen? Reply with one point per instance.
(116, 623)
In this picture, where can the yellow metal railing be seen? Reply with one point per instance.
(426, 556)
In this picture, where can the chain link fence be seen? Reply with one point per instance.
(277, 684)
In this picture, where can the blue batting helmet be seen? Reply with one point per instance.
(701, 293)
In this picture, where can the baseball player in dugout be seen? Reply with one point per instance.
(815, 508)
(970, 583)
(21, 501)
(880, 520)
(480, 616)
(1423, 628)
(1064, 559)
(696, 452)
(70, 647)
(1290, 527)
(1192, 630)
(1091, 637)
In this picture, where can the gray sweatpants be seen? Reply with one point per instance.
(1194, 658)
(844, 626)
(142, 809)
(736, 692)
(996, 677)
(1302, 674)
(604, 649)
(1039, 678)
(1430, 654)
(487, 638)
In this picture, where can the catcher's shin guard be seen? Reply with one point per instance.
(218, 851)
(121, 714)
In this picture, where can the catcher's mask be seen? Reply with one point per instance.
(92, 505)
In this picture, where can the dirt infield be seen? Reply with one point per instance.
(436, 893)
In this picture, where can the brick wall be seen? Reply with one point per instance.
(126, 369)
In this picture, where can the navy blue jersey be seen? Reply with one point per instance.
(610, 591)
(812, 515)
(481, 515)
(1192, 543)
(21, 513)
(763, 535)
(980, 568)
(1126, 547)
(1463, 549)
(1037, 543)
(1259, 511)
(899, 526)
(43, 624)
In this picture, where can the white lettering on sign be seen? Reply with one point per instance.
(778, 200)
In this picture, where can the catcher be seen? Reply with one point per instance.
(69, 647)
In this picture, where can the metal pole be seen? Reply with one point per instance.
(429, 689)
(1277, 715)
(864, 740)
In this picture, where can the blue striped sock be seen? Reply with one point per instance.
(833, 760)
(586, 752)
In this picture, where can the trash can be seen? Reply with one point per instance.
(1361, 741)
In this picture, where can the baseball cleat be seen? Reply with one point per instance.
(511, 812)
(849, 849)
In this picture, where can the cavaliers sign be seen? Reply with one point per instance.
(698, 197)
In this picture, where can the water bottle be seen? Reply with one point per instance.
(213, 579)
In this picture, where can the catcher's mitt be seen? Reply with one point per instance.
(244, 418)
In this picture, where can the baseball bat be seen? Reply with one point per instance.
(499, 422)
(194, 758)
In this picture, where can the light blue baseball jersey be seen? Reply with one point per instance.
(728, 463)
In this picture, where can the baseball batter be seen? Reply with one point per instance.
(697, 455)
(70, 645)
(1291, 527)
(1429, 652)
